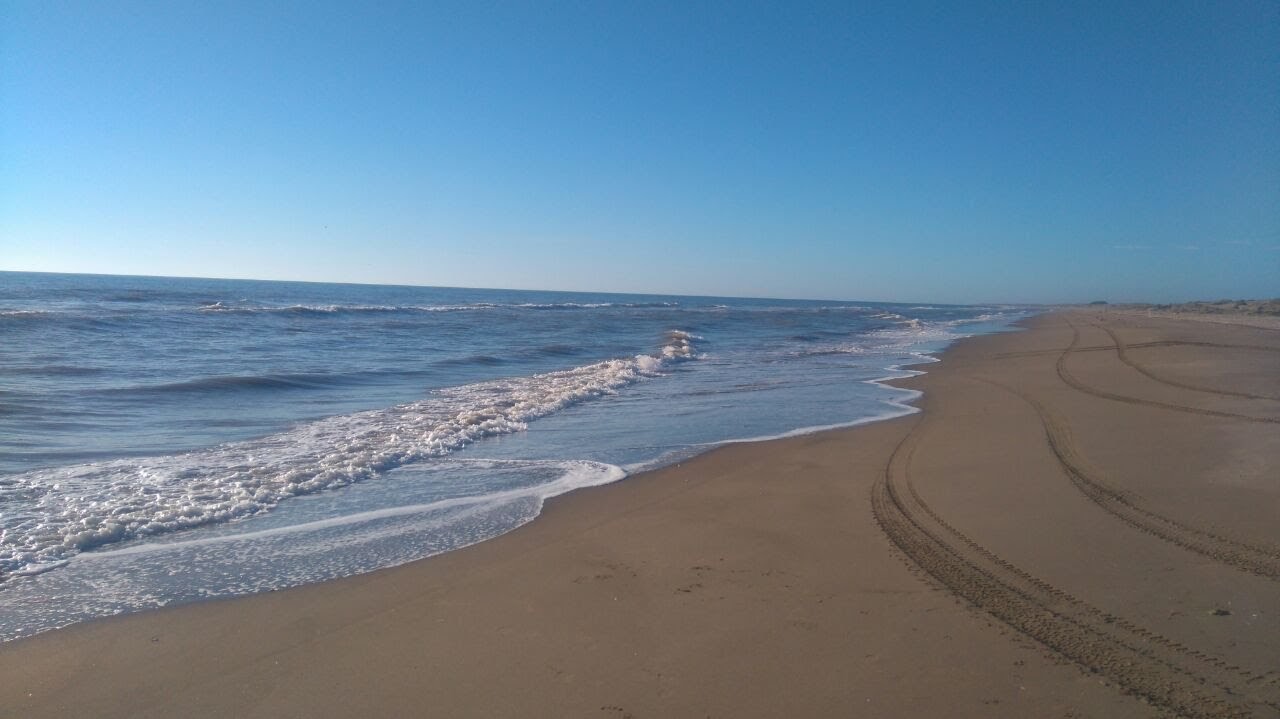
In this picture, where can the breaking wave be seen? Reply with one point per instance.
(83, 506)
(333, 309)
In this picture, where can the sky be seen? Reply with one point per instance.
(943, 152)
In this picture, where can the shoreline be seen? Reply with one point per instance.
(760, 578)
(895, 403)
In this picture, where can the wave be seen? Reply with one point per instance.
(679, 346)
(89, 505)
(483, 360)
(275, 381)
(242, 382)
(56, 370)
(234, 308)
(572, 474)
(78, 319)
(589, 305)
(912, 332)
(849, 349)
(134, 296)
(329, 545)
(908, 333)
(799, 309)
(331, 309)
(985, 317)
(487, 360)
(25, 314)
(556, 350)
(818, 335)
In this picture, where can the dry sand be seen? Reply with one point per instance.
(1251, 313)
(1071, 528)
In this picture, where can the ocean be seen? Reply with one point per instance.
(164, 440)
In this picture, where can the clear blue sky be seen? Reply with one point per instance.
(917, 151)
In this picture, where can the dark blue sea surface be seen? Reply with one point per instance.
(168, 439)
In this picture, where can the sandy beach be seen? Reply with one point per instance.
(1082, 522)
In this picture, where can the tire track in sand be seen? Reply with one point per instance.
(1072, 381)
(1140, 345)
(1163, 672)
(1122, 352)
(1252, 557)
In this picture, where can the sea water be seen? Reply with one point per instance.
(164, 439)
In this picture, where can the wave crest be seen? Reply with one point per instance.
(333, 309)
(89, 505)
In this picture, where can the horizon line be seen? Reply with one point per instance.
(528, 289)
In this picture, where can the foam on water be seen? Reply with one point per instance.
(219, 437)
(244, 307)
(908, 333)
(911, 333)
(188, 567)
(73, 508)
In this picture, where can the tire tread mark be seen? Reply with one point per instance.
(1122, 352)
(1163, 672)
(1140, 345)
(1065, 375)
(1252, 557)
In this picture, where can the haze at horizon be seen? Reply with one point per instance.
(983, 154)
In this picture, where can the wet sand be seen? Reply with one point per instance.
(1083, 521)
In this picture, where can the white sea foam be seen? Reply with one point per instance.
(985, 317)
(236, 308)
(575, 474)
(846, 348)
(240, 308)
(912, 332)
(897, 408)
(588, 305)
(898, 405)
(69, 509)
(184, 567)
(908, 333)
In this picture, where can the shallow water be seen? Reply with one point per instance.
(163, 440)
